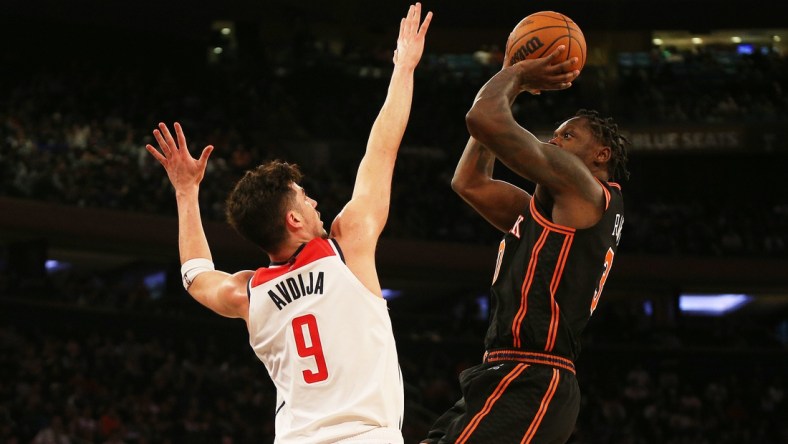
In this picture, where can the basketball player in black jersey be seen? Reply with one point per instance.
(553, 261)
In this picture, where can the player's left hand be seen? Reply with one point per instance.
(410, 42)
(184, 171)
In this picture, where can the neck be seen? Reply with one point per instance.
(287, 251)
(600, 173)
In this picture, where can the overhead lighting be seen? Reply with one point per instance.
(226, 31)
(218, 50)
(736, 39)
(712, 304)
(697, 40)
(657, 41)
(776, 38)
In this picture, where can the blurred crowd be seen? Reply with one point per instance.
(112, 358)
(104, 375)
(75, 135)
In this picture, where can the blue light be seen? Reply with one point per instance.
(389, 294)
(54, 265)
(483, 302)
(712, 304)
(648, 308)
(745, 48)
(155, 283)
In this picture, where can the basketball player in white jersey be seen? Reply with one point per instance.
(316, 315)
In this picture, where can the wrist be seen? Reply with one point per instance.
(514, 82)
(519, 76)
(402, 68)
(187, 192)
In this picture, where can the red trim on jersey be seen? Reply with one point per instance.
(548, 396)
(474, 423)
(555, 312)
(552, 331)
(529, 277)
(614, 185)
(559, 269)
(314, 250)
(529, 357)
(607, 192)
(541, 220)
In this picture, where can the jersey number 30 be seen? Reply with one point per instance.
(313, 349)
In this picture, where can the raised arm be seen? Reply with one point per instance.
(561, 176)
(497, 201)
(222, 292)
(360, 223)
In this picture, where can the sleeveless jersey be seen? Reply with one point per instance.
(328, 345)
(548, 279)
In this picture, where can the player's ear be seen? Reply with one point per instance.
(603, 154)
(294, 219)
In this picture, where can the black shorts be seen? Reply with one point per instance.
(511, 402)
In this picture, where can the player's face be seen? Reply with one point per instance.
(308, 208)
(574, 136)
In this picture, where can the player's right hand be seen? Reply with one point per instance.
(543, 74)
(184, 171)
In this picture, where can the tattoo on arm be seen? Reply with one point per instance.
(485, 160)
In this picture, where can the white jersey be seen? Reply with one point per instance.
(327, 343)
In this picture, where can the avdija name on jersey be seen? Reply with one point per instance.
(293, 288)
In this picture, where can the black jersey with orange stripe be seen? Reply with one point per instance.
(548, 279)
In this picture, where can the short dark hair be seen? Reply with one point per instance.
(257, 204)
(606, 131)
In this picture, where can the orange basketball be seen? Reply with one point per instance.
(540, 33)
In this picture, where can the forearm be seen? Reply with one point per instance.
(494, 100)
(377, 166)
(475, 167)
(389, 126)
(217, 290)
(497, 201)
(491, 122)
(192, 242)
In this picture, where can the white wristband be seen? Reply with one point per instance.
(192, 268)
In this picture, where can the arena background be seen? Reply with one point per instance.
(99, 340)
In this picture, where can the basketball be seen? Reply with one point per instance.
(540, 33)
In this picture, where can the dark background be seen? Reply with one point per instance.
(103, 320)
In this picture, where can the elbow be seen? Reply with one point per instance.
(480, 123)
(458, 184)
(462, 185)
(468, 191)
(474, 121)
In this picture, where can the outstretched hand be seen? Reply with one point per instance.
(410, 42)
(544, 73)
(183, 170)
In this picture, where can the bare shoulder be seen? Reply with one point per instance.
(241, 278)
(234, 292)
(358, 250)
(353, 231)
